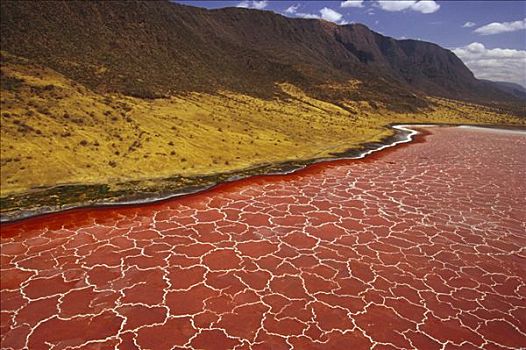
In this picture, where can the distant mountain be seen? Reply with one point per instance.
(157, 48)
(514, 89)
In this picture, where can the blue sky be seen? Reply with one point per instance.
(489, 36)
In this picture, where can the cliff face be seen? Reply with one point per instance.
(156, 48)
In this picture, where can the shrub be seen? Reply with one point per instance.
(11, 83)
(43, 110)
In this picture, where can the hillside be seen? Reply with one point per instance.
(514, 89)
(158, 48)
(110, 99)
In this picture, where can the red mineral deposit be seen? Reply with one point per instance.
(419, 246)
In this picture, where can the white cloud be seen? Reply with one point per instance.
(494, 64)
(389, 5)
(307, 15)
(330, 15)
(325, 14)
(243, 4)
(292, 9)
(468, 25)
(352, 3)
(258, 5)
(422, 6)
(496, 27)
(425, 6)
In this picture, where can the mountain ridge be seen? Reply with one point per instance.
(154, 49)
(514, 89)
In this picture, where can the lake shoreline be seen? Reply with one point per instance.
(406, 133)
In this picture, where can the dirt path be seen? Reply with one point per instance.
(420, 247)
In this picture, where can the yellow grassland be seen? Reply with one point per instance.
(54, 131)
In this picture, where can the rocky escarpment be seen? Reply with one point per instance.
(151, 49)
